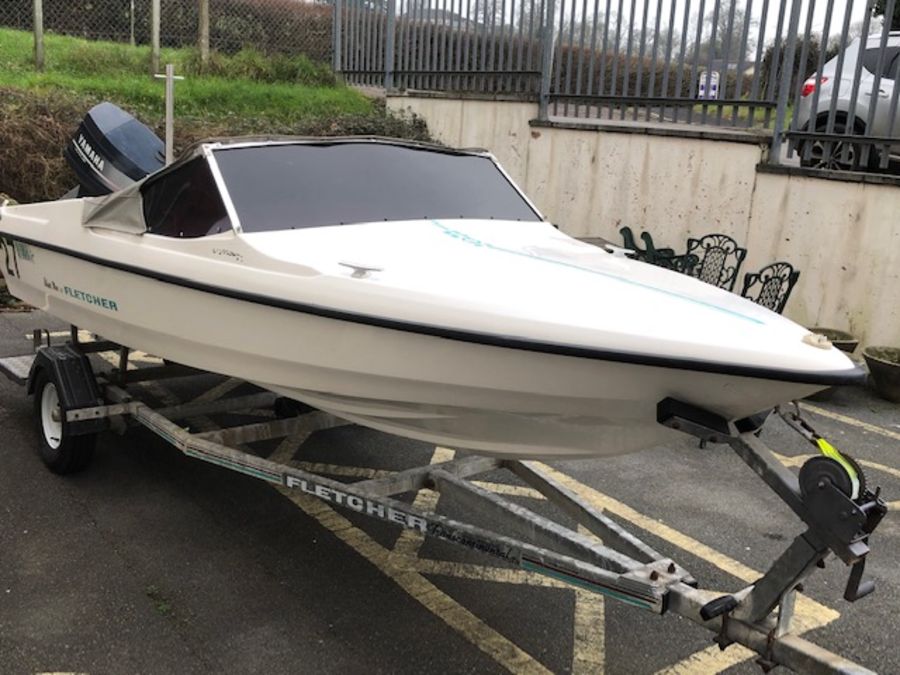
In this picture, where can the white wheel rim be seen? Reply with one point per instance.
(51, 416)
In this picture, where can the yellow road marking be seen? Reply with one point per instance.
(852, 421)
(589, 648)
(87, 336)
(365, 472)
(809, 614)
(112, 358)
(258, 412)
(880, 467)
(791, 460)
(83, 335)
(286, 450)
(589, 613)
(671, 535)
(473, 629)
(509, 490)
(502, 650)
(410, 541)
(218, 391)
(340, 470)
(655, 527)
(500, 575)
(589, 630)
(143, 357)
(709, 660)
(797, 460)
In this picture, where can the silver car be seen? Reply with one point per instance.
(875, 112)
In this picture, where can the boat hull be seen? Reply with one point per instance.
(492, 399)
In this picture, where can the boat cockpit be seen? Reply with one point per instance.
(262, 185)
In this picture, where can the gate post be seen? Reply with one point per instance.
(389, 45)
(39, 34)
(784, 91)
(547, 34)
(337, 28)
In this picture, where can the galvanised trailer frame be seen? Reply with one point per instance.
(623, 567)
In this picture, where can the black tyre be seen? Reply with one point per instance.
(60, 451)
(837, 155)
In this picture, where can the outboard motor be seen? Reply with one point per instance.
(111, 150)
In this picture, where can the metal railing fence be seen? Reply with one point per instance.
(490, 46)
(706, 61)
(846, 110)
(818, 74)
(725, 63)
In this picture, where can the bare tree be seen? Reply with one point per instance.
(731, 25)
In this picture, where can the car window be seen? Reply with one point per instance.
(870, 60)
(185, 202)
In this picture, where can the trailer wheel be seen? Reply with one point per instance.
(60, 451)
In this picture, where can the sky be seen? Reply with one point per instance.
(856, 9)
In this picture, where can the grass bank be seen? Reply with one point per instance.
(247, 93)
(247, 84)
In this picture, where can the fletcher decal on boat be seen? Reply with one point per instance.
(356, 503)
(89, 298)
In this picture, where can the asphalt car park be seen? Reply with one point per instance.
(152, 562)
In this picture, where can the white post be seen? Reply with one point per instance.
(39, 34)
(132, 24)
(154, 36)
(204, 32)
(170, 113)
(170, 78)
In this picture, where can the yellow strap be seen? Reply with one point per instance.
(833, 453)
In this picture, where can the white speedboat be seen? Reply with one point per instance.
(407, 287)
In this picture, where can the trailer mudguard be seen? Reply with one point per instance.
(73, 375)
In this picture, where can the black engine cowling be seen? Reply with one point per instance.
(111, 150)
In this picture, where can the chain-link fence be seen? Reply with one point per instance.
(284, 26)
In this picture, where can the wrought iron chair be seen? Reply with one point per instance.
(771, 286)
(719, 259)
(650, 254)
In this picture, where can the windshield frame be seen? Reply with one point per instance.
(209, 151)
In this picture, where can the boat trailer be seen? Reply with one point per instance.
(74, 403)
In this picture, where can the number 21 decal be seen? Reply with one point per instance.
(9, 251)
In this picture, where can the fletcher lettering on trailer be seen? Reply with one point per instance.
(356, 503)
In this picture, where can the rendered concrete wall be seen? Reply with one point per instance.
(844, 237)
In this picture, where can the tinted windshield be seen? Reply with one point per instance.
(280, 187)
(184, 202)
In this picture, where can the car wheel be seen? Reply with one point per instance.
(844, 155)
(61, 452)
